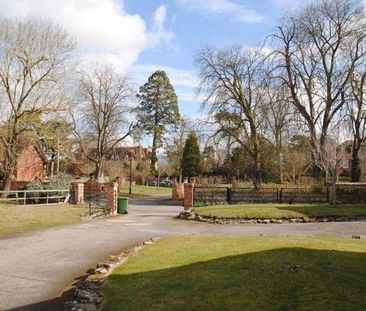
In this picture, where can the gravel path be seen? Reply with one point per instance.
(36, 267)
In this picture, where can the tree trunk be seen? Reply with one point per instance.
(7, 182)
(317, 171)
(99, 172)
(279, 155)
(257, 176)
(154, 158)
(356, 163)
(8, 177)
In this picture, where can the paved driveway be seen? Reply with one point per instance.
(36, 267)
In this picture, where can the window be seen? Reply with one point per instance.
(344, 163)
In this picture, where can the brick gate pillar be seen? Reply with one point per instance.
(188, 201)
(177, 190)
(111, 191)
(78, 190)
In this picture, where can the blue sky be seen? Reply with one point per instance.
(193, 25)
(141, 36)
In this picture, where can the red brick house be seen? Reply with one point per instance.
(344, 158)
(31, 165)
(116, 163)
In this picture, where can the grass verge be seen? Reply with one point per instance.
(18, 219)
(282, 211)
(242, 273)
(144, 191)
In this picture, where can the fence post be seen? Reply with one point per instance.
(280, 197)
(229, 195)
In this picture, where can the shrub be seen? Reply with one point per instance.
(35, 185)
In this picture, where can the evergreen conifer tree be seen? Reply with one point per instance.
(158, 110)
(192, 160)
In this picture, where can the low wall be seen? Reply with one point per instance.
(351, 193)
(226, 194)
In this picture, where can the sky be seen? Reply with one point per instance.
(141, 36)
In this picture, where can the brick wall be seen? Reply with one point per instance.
(177, 190)
(188, 200)
(78, 193)
(110, 190)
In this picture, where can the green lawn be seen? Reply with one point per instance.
(283, 211)
(18, 219)
(242, 273)
(143, 191)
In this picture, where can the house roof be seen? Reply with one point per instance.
(21, 148)
(121, 153)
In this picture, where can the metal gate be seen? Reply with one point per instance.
(97, 202)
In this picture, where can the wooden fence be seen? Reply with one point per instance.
(229, 195)
(26, 197)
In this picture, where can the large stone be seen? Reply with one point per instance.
(87, 296)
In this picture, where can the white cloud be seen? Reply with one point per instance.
(159, 33)
(178, 77)
(289, 5)
(103, 29)
(223, 7)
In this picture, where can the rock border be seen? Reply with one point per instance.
(192, 216)
(87, 293)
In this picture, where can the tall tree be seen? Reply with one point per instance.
(35, 59)
(103, 97)
(319, 47)
(192, 164)
(357, 119)
(158, 110)
(175, 145)
(278, 114)
(231, 82)
(55, 141)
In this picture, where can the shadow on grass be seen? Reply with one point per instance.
(280, 279)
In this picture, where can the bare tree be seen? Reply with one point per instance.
(319, 48)
(35, 59)
(104, 110)
(175, 144)
(278, 114)
(231, 80)
(356, 118)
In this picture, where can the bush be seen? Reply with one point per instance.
(60, 181)
(35, 185)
